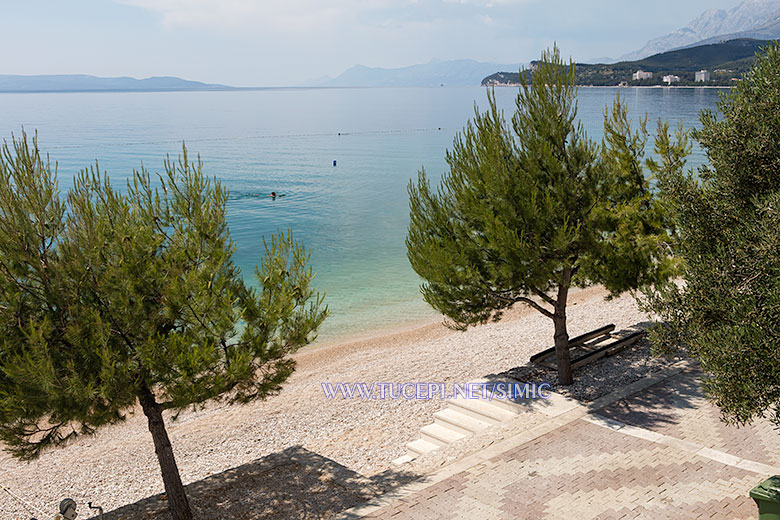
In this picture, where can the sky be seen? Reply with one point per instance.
(289, 42)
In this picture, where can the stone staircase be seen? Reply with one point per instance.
(464, 417)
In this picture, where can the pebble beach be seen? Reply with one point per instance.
(117, 466)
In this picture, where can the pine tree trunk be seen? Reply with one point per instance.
(561, 334)
(174, 489)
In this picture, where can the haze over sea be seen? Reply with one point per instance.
(352, 217)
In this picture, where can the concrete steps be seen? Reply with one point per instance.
(462, 418)
(418, 447)
(440, 435)
(460, 422)
(482, 410)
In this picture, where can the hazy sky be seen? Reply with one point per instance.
(286, 42)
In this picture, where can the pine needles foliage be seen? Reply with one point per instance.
(113, 297)
(531, 207)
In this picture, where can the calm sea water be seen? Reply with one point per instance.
(353, 216)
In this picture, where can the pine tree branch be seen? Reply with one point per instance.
(541, 294)
(29, 289)
(519, 299)
(199, 319)
(530, 302)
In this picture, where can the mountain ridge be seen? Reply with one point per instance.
(462, 72)
(712, 25)
(40, 83)
(768, 31)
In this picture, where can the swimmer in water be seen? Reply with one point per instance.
(273, 194)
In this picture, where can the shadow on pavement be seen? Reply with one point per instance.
(294, 483)
(661, 404)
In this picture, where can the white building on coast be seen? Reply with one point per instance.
(671, 79)
(640, 74)
(702, 76)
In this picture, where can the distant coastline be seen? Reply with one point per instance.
(257, 89)
(131, 90)
(270, 89)
(47, 83)
(224, 89)
(500, 85)
(712, 65)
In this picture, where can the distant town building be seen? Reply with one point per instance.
(702, 76)
(671, 79)
(640, 74)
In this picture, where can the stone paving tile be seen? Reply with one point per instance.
(585, 471)
(677, 407)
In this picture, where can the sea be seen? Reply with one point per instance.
(343, 159)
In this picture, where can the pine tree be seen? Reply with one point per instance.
(726, 309)
(109, 298)
(528, 210)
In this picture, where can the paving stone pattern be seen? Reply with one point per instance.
(677, 407)
(583, 470)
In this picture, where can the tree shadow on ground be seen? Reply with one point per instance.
(661, 404)
(599, 377)
(292, 484)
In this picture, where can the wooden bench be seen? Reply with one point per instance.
(590, 342)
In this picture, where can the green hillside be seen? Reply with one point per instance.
(724, 61)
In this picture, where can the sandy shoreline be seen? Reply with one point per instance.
(372, 334)
(117, 466)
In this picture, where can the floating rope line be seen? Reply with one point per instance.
(240, 138)
(27, 505)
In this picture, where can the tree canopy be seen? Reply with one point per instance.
(725, 309)
(532, 207)
(112, 297)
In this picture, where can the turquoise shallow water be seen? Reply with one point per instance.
(352, 216)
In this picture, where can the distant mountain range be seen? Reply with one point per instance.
(84, 83)
(756, 19)
(724, 61)
(768, 31)
(751, 19)
(453, 73)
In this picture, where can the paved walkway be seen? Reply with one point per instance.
(655, 450)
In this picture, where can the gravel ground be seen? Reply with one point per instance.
(599, 377)
(118, 467)
(291, 484)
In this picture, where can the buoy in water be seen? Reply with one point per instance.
(334, 163)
